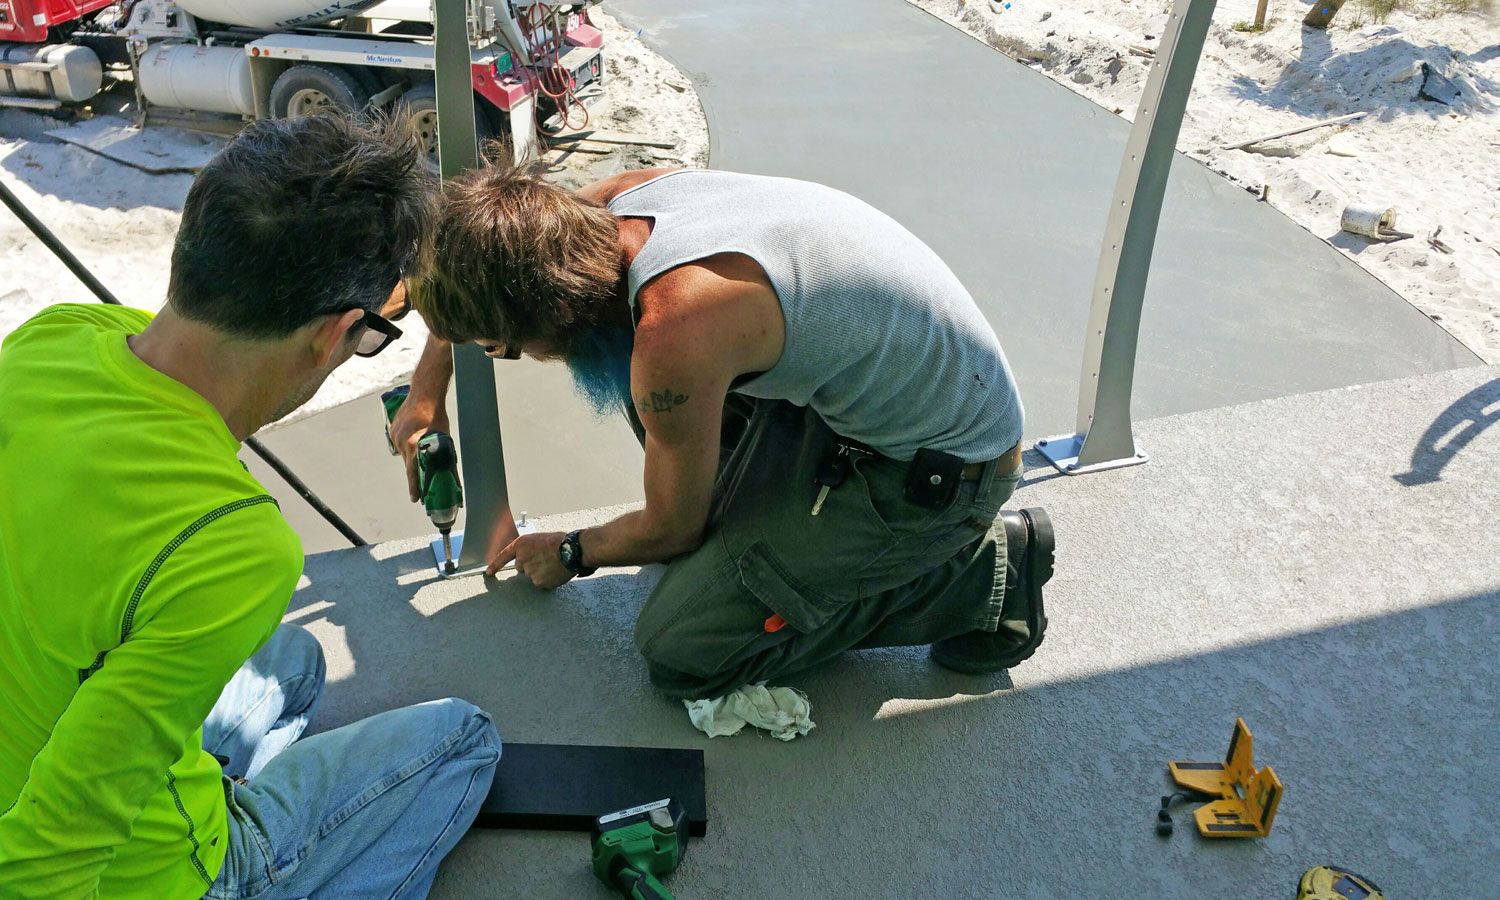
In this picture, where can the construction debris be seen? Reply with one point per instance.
(1372, 221)
(1437, 87)
(1337, 147)
(1440, 246)
(1288, 133)
(600, 136)
(580, 147)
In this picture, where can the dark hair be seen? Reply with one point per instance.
(518, 259)
(299, 218)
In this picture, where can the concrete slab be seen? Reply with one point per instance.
(1323, 565)
(1008, 176)
(1005, 174)
(561, 456)
(160, 150)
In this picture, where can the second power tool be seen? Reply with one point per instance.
(437, 474)
(633, 847)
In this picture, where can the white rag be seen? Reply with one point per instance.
(782, 711)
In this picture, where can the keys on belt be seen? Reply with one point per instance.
(932, 477)
(833, 470)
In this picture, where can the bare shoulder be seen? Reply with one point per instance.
(606, 189)
(720, 311)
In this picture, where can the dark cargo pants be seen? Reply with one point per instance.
(870, 570)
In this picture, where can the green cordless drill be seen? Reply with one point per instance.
(437, 473)
(634, 846)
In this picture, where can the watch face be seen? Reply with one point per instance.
(567, 551)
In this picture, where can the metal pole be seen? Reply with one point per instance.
(489, 524)
(61, 251)
(1103, 439)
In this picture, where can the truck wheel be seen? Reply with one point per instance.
(420, 103)
(306, 89)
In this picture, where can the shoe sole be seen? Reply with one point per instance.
(1040, 562)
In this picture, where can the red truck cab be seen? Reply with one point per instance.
(31, 21)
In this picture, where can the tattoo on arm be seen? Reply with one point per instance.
(660, 401)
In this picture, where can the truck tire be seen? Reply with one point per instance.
(307, 89)
(420, 103)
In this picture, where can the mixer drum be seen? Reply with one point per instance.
(273, 15)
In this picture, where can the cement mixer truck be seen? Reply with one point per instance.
(240, 60)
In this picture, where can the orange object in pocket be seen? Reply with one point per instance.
(775, 624)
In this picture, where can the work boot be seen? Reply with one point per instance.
(1029, 549)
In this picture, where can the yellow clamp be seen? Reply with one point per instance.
(1247, 797)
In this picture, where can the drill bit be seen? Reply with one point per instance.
(448, 565)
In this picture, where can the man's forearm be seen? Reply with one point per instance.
(634, 540)
(429, 383)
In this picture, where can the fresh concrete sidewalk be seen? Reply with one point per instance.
(1292, 561)
(1008, 176)
(560, 457)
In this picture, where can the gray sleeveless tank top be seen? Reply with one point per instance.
(882, 340)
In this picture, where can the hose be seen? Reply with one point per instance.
(60, 250)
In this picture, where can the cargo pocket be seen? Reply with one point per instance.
(804, 609)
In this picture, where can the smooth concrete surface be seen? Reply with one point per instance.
(1326, 566)
(559, 456)
(1008, 176)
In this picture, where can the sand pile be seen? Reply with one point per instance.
(1437, 164)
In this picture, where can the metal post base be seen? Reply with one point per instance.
(456, 540)
(1063, 451)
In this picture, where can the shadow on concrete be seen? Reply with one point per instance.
(1451, 432)
(996, 790)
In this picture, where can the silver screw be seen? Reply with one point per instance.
(936, 480)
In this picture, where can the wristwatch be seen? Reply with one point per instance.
(571, 554)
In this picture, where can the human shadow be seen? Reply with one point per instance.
(1451, 432)
(981, 766)
(990, 772)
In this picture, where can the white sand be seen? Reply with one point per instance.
(1437, 165)
(121, 221)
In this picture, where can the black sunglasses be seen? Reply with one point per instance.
(511, 351)
(379, 332)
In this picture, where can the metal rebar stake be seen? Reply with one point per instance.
(489, 523)
(1104, 439)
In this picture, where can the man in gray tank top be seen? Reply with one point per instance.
(830, 425)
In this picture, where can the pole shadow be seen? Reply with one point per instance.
(1451, 432)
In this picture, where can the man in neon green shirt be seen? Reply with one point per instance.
(144, 572)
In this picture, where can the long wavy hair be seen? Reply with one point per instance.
(519, 260)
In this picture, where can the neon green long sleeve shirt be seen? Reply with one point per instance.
(140, 566)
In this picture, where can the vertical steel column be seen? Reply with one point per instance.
(1103, 439)
(488, 521)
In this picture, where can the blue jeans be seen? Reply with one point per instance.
(367, 810)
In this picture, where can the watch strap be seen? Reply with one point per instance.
(573, 561)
